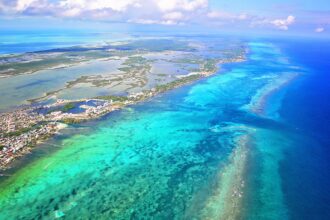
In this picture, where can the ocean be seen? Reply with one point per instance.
(306, 106)
(15, 42)
(250, 142)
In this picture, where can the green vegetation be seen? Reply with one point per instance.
(32, 145)
(176, 83)
(210, 65)
(113, 98)
(192, 60)
(162, 74)
(71, 121)
(44, 96)
(36, 61)
(82, 79)
(133, 60)
(155, 45)
(33, 66)
(134, 63)
(67, 107)
(95, 80)
(2, 147)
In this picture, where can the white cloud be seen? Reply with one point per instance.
(73, 12)
(284, 24)
(173, 16)
(184, 5)
(253, 21)
(151, 21)
(22, 5)
(143, 21)
(158, 6)
(217, 14)
(2, 7)
(165, 12)
(226, 15)
(90, 5)
(319, 30)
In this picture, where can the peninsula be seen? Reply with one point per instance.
(136, 79)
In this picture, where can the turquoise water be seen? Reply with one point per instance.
(210, 150)
(14, 42)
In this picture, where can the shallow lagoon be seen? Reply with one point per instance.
(16, 90)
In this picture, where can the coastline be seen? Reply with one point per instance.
(240, 177)
(8, 155)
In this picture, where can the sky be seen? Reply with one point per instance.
(272, 16)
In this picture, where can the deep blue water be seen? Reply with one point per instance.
(306, 105)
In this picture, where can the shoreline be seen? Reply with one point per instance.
(111, 103)
(230, 198)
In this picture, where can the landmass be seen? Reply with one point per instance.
(134, 81)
